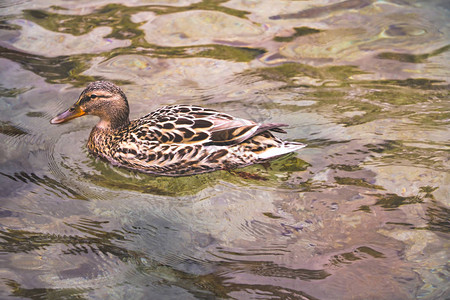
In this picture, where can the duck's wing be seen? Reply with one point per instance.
(186, 124)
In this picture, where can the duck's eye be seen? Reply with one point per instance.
(93, 96)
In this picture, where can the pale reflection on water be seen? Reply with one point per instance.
(361, 213)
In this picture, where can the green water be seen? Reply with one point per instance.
(361, 213)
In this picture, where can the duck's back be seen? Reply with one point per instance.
(184, 140)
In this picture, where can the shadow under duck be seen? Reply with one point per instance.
(176, 140)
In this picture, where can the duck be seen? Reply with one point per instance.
(174, 140)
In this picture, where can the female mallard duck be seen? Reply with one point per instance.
(175, 140)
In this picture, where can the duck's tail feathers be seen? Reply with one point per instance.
(275, 127)
(282, 149)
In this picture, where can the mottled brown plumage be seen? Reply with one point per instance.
(174, 140)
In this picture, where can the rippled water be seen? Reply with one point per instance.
(361, 213)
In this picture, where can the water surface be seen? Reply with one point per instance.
(361, 213)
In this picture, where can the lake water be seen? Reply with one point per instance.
(361, 213)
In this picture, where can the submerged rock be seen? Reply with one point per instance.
(37, 40)
(200, 27)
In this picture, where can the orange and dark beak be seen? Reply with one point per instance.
(72, 113)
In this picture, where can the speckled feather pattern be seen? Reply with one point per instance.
(184, 140)
(175, 140)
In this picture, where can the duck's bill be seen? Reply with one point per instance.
(71, 113)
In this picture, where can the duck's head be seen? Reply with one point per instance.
(103, 99)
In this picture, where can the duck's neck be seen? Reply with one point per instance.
(112, 124)
(114, 117)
